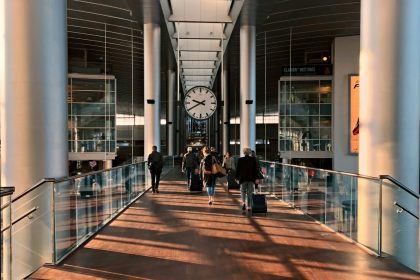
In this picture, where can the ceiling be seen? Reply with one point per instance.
(288, 32)
(199, 33)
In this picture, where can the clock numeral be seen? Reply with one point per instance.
(207, 114)
(201, 116)
(187, 102)
(213, 103)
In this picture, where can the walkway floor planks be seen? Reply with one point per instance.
(177, 235)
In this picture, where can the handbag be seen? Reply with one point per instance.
(217, 170)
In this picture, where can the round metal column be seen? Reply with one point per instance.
(225, 91)
(247, 86)
(390, 121)
(33, 75)
(151, 87)
(171, 111)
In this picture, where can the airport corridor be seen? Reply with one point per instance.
(175, 234)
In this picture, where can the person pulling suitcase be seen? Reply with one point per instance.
(246, 174)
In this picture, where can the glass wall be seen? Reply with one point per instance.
(305, 114)
(91, 108)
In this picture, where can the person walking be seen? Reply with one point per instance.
(189, 164)
(228, 162)
(155, 165)
(246, 174)
(209, 179)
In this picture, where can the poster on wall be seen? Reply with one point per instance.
(354, 114)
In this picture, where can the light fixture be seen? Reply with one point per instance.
(324, 58)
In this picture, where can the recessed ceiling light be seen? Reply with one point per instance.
(324, 58)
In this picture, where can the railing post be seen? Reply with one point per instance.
(53, 192)
(380, 220)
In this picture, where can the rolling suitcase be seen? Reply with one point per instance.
(231, 183)
(259, 204)
(196, 183)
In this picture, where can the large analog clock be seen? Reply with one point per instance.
(200, 103)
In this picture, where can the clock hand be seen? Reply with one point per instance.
(202, 102)
(194, 106)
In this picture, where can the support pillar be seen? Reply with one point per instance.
(225, 118)
(33, 75)
(390, 122)
(171, 111)
(151, 87)
(107, 164)
(247, 86)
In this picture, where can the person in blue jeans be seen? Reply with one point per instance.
(209, 180)
(246, 174)
(189, 164)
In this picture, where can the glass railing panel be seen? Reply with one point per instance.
(300, 187)
(117, 189)
(65, 217)
(266, 184)
(333, 198)
(127, 184)
(397, 204)
(86, 206)
(367, 198)
(32, 232)
(6, 233)
(286, 173)
(341, 202)
(104, 182)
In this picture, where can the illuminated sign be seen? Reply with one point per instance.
(354, 113)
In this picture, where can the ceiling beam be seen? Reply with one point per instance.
(226, 19)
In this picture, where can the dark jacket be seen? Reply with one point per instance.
(189, 161)
(155, 161)
(246, 169)
(206, 164)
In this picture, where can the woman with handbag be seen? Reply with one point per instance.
(209, 180)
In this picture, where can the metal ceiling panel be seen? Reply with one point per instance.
(200, 11)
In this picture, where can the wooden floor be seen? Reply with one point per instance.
(177, 235)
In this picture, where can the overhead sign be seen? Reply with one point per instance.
(303, 70)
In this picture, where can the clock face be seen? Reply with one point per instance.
(200, 103)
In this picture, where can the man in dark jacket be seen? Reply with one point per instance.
(246, 174)
(155, 164)
(189, 164)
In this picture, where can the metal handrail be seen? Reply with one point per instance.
(34, 187)
(406, 210)
(325, 170)
(399, 184)
(4, 191)
(29, 212)
(94, 172)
